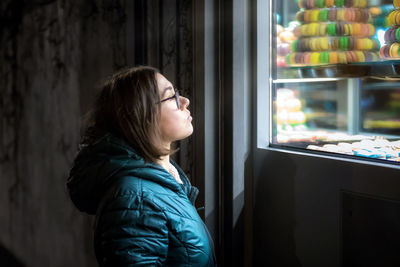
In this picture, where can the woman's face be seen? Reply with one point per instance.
(175, 124)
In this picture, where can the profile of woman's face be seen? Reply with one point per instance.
(175, 124)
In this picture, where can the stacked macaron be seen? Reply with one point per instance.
(392, 35)
(360, 15)
(311, 4)
(289, 114)
(284, 39)
(344, 43)
(339, 28)
(331, 57)
(333, 32)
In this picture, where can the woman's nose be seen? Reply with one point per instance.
(184, 102)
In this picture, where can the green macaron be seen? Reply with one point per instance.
(323, 15)
(343, 43)
(319, 3)
(339, 3)
(324, 57)
(293, 46)
(398, 34)
(331, 29)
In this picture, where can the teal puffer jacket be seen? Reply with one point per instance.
(143, 216)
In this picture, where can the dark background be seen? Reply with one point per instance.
(53, 56)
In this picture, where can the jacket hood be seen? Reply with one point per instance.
(107, 157)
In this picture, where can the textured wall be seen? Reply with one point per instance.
(52, 54)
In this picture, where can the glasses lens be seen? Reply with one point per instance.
(178, 102)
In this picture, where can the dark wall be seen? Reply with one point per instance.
(53, 53)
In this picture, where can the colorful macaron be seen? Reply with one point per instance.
(311, 4)
(360, 15)
(333, 57)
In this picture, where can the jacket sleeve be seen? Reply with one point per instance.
(131, 231)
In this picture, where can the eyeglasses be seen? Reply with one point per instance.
(176, 97)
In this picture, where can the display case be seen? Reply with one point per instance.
(326, 170)
(334, 79)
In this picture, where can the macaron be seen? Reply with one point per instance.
(394, 50)
(311, 4)
(383, 51)
(297, 58)
(314, 15)
(313, 44)
(397, 17)
(342, 58)
(357, 15)
(300, 16)
(351, 32)
(319, 3)
(307, 15)
(302, 58)
(397, 34)
(313, 29)
(324, 43)
(343, 43)
(340, 28)
(392, 35)
(323, 15)
(396, 4)
(351, 43)
(359, 44)
(324, 57)
(348, 3)
(364, 29)
(339, 3)
(346, 29)
(331, 29)
(340, 14)
(348, 57)
(333, 57)
(322, 29)
(353, 56)
(302, 3)
(356, 29)
(335, 44)
(314, 58)
(293, 46)
(332, 14)
(306, 57)
(390, 18)
(347, 14)
(329, 3)
(364, 15)
(363, 3)
(360, 56)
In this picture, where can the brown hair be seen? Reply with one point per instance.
(127, 106)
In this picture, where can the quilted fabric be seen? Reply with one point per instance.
(143, 216)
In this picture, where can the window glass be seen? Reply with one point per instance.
(335, 77)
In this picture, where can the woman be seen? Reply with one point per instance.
(144, 203)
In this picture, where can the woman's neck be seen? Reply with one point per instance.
(164, 162)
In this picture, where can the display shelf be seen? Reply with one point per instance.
(389, 70)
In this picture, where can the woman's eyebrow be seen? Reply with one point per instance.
(165, 90)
